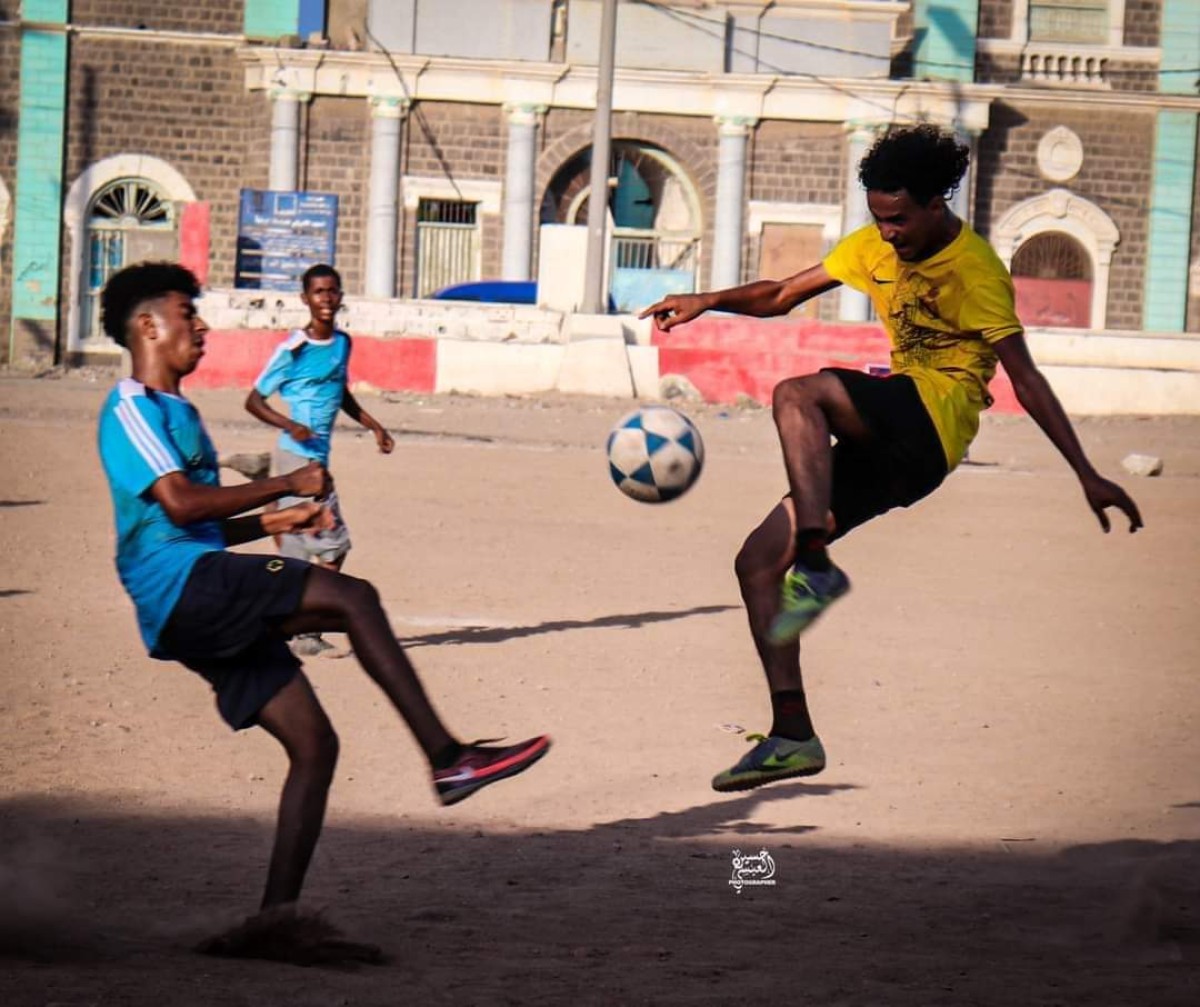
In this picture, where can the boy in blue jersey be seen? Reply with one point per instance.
(309, 371)
(227, 615)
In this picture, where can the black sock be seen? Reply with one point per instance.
(444, 758)
(790, 709)
(810, 548)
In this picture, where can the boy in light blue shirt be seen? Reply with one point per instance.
(227, 615)
(309, 371)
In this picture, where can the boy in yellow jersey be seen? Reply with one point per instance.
(946, 301)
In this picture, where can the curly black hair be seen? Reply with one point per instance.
(134, 285)
(923, 160)
(319, 270)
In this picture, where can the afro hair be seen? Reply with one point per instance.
(923, 160)
(134, 285)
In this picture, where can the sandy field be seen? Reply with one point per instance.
(1009, 698)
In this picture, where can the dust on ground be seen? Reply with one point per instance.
(1011, 813)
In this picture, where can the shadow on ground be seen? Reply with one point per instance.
(103, 907)
(497, 634)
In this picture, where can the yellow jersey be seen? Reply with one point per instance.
(944, 315)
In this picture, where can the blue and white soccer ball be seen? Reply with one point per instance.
(655, 454)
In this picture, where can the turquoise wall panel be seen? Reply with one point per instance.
(276, 18)
(1165, 305)
(37, 221)
(945, 39)
(45, 11)
(1180, 43)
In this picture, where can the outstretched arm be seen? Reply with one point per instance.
(187, 502)
(1038, 399)
(260, 409)
(356, 412)
(762, 298)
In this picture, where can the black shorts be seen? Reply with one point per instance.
(225, 628)
(902, 462)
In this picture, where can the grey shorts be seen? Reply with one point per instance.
(326, 546)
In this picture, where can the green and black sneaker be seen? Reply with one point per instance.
(773, 758)
(804, 595)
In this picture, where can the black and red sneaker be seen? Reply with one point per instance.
(479, 765)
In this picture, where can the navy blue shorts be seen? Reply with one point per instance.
(902, 462)
(225, 627)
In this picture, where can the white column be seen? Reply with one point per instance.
(383, 200)
(516, 259)
(731, 196)
(853, 305)
(285, 140)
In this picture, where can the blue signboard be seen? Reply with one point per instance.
(281, 234)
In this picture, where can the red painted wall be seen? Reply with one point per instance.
(194, 227)
(1054, 303)
(729, 356)
(234, 358)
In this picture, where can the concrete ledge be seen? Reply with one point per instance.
(496, 368)
(723, 357)
(595, 361)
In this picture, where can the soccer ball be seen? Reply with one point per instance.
(655, 454)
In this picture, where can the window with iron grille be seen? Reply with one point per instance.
(1082, 21)
(129, 220)
(448, 246)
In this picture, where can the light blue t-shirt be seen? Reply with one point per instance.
(143, 436)
(310, 376)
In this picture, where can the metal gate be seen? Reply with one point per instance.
(447, 244)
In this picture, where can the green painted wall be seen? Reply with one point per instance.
(43, 11)
(37, 220)
(1169, 248)
(945, 39)
(1180, 43)
(270, 19)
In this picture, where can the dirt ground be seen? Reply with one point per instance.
(1009, 698)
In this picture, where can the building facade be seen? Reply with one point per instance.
(456, 138)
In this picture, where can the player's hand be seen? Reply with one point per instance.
(676, 309)
(313, 480)
(299, 432)
(384, 441)
(309, 516)
(1101, 494)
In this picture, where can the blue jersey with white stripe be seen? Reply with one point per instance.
(143, 436)
(310, 376)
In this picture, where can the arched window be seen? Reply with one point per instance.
(128, 220)
(140, 197)
(654, 214)
(1054, 243)
(1052, 274)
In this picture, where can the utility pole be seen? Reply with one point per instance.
(595, 299)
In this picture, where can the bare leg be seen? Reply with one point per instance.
(295, 718)
(337, 603)
(807, 410)
(762, 561)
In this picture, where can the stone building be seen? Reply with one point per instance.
(456, 135)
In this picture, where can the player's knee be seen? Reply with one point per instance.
(752, 560)
(318, 752)
(792, 392)
(360, 594)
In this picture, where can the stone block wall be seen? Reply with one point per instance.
(182, 102)
(336, 157)
(995, 19)
(452, 142)
(1115, 175)
(224, 16)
